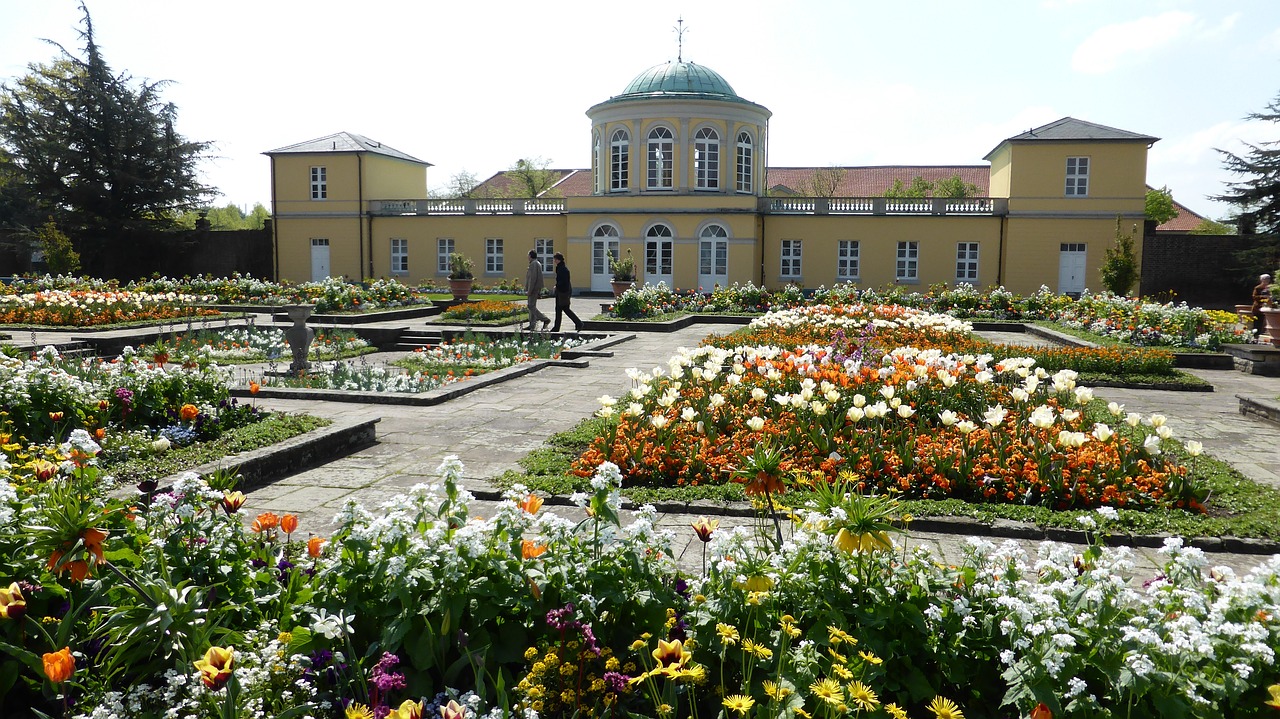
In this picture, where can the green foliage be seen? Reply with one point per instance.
(60, 255)
(824, 182)
(460, 266)
(95, 149)
(1160, 207)
(954, 187)
(228, 217)
(1120, 266)
(531, 177)
(1213, 227)
(623, 268)
(950, 187)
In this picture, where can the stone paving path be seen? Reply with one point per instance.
(491, 429)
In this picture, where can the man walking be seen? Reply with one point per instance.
(564, 293)
(533, 286)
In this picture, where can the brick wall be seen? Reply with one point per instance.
(1200, 270)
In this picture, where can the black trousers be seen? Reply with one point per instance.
(562, 308)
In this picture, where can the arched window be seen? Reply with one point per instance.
(619, 160)
(706, 159)
(658, 251)
(713, 253)
(661, 159)
(744, 171)
(604, 248)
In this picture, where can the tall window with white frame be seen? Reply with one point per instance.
(908, 269)
(619, 160)
(967, 262)
(493, 256)
(791, 255)
(1077, 176)
(546, 249)
(399, 256)
(848, 254)
(661, 175)
(319, 183)
(444, 248)
(706, 159)
(595, 161)
(744, 160)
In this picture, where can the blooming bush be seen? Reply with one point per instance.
(482, 311)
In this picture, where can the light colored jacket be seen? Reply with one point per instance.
(533, 284)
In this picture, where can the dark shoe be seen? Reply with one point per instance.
(577, 329)
(545, 324)
(555, 329)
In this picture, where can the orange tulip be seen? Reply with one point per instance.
(315, 546)
(530, 549)
(1041, 712)
(188, 412)
(59, 665)
(254, 387)
(289, 523)
(264, 522)
(12, 603)
(531, 504)
(216, 667)
(99, 433)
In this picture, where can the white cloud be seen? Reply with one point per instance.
(1191, 166)
(1109, 45)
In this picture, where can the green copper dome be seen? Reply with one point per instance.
(681, 78)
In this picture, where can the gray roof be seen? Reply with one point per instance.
(344, 142)
(1069, 129)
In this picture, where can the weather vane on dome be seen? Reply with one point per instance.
(680, 31)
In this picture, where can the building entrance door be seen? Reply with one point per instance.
(319, 259)
(1071, 264)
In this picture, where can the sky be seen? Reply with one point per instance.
(474, 86)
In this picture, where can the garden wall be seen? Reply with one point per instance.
(173, 253)
(1200, 270)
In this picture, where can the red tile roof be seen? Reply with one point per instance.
(874, 181)
(1186, 220)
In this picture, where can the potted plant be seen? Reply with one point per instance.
(460, 276)
(624, 273)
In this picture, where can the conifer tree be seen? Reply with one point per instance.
(1257, 196)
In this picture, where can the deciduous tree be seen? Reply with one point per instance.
(824, 182)
(533, 178)
(1160, 207)
(1119, 265)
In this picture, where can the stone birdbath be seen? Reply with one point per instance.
(299, 336)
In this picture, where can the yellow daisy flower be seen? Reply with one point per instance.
(728, 633)
(739, 703)
(944, 708)
(861, 696)
(828, 690)
(895, 711)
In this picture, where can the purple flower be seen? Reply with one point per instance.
(616, 681)
(125, 395)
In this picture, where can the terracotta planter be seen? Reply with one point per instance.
(461, 289)
(1272, 316)
(620, 287)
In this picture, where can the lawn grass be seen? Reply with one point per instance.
(274, 429)
(1238, 506)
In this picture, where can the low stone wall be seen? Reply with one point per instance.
(1255, 359)
(1267, 410)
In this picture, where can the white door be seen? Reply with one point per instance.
(658, 252)
(604, 250)
(1071, 263)
(713, 258)
(319, 259)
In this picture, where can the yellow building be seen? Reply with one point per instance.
(679, 177)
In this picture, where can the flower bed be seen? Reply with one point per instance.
(252, 344)
(483, 311)
(173, 605)
(913, 421)
(1130, 320)
(87, 308)
(429, 368)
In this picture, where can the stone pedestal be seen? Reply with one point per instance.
(299, 336)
